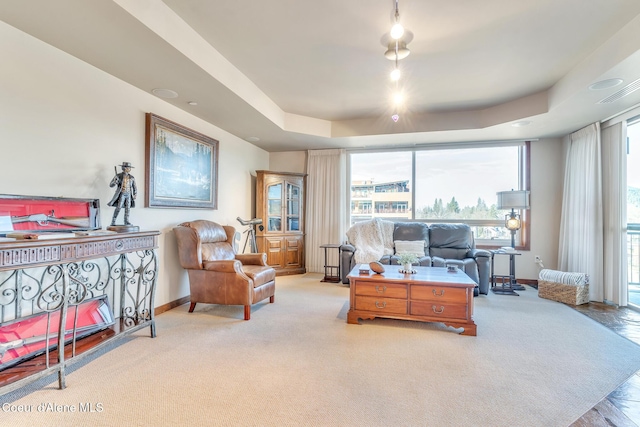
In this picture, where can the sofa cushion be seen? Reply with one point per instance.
(448, 253)
(212, 239)
(259, 274)
(450, 240)
(410, 247)
(217, 251)
(207, 231)
(411, 231)
(451, 236)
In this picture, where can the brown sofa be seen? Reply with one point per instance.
(217, 275)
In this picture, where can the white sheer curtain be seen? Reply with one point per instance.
(581, 222)
(326, 205)
(614, 191)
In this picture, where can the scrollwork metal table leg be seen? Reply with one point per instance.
(61, 328)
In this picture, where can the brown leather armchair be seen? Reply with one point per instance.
(217, 275)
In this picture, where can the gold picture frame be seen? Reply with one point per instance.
(182, 166)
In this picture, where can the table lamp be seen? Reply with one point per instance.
(513, 200)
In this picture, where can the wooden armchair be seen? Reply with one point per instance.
(217, 275)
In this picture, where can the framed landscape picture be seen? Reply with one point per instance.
(182, 166)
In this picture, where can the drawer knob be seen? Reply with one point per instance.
(381, 291)
(383, 305)
(435, 309)
(438, 294)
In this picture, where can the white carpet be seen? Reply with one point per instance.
(297, 362)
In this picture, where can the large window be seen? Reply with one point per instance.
(454, 183)
(633, 213)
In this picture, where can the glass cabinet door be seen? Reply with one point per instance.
(292, 200)
(274, 207)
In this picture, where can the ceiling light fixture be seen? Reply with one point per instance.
(397, 30)
(165, 93)
(395, 74)
(521, 123)
(396, 50)
(605, 84)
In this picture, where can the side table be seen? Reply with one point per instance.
(330, 269)
(508, 284)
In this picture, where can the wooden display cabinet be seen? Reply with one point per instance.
(280, 205)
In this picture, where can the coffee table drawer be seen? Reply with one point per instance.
(382, 289)
(381, 305)
(439, 294)
(437, 310)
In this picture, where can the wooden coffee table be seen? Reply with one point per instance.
(433, 294)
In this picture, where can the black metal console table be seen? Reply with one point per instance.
(50, 276)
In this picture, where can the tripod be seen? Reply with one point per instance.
(251, 233)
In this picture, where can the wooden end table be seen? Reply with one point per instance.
(433, 294)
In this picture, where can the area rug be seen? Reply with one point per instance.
(297, 362)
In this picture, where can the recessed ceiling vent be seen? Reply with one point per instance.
(628, 89)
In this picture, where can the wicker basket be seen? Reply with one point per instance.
(568, 288)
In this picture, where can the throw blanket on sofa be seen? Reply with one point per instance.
(373, 239)
(386, 229)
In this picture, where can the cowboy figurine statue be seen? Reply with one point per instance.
(126, 192)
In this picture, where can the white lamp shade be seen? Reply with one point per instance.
(513, 199)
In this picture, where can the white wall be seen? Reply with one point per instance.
(547, 175)
(64, 125)
(288, 161)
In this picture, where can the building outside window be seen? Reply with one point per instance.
(389, 200)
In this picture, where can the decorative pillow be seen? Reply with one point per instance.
(410, 247)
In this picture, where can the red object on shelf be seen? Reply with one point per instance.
(75, 214)
(29, 336)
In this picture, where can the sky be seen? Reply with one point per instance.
(444, 173)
